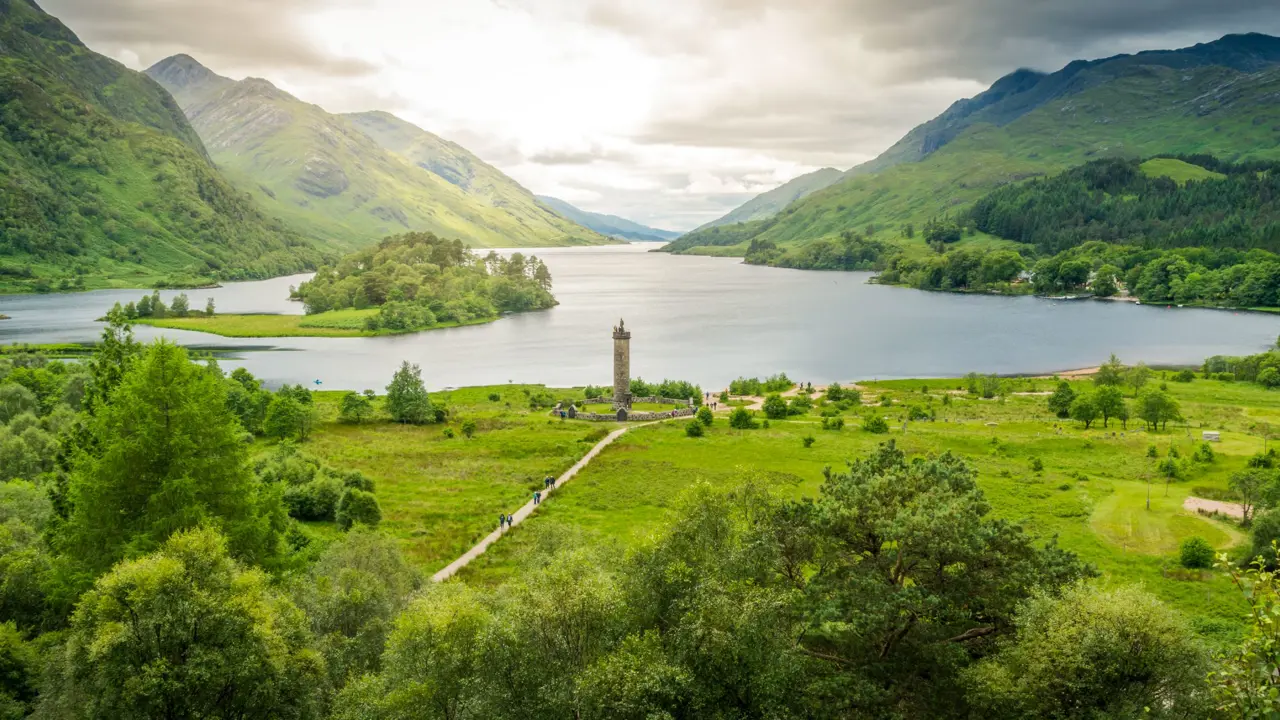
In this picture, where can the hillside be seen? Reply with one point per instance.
(610, 225)
(1216, 98)
(768, 204)
(349, 180)
(103, 182)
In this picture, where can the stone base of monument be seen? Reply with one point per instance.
(624, 414)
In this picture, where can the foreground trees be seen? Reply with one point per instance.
(186, 632)
(165, 455)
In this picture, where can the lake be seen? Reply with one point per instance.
(707, 320)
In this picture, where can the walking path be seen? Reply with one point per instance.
(529, 507)
(1235, 510)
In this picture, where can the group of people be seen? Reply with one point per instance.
(706, 400)
(506, 521)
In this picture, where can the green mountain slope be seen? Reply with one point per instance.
(350, 180)
(520, 212)
(1216, 98)
(104, 183)
(610, 225)
(768, 204)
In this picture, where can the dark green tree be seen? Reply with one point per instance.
(187, 632)
(1060, 401)
(168, 457)
(407, 400)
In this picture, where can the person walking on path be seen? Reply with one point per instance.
(537, 498)
(502, 521)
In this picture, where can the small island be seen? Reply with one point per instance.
(404, 284)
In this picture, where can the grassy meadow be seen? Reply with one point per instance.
(441, 494)
(335, 323)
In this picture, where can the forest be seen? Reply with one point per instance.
(418, 281)
(1115, 201)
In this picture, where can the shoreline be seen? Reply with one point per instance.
(275, 325)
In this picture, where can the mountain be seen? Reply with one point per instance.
(768, 204)
(351, 179)
(1217, 98)
(103, 182)
(610, 225)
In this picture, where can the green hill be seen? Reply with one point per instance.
(768, 204)
(610, 225)
(104, 183)
(350, 180)
(1215, 98)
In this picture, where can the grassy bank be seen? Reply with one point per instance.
(335, 323)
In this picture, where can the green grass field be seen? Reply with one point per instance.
(335, 323)
(1178, 171)
(440, 495)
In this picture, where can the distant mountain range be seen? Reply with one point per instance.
(1218, 98)
(609, 225)
(766, 205)
(351, 179)
(103, 182)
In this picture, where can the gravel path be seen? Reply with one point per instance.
(529, 508)
(1195, 504)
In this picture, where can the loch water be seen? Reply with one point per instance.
(707, 320)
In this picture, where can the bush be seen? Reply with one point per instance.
(918, 413)
(809, 440)
(1196, 554)
(694, 429)
(495, 397)
(1204, 453)
(705, 416)
(836, 423)
(1037, 465)
(358, 506)
(742, 419)
(800, 405)
(316, 500)
(775, 408)
(1184, 376)
(468, 428)
(448, 433)
(875, 424)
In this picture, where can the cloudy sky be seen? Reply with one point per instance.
(669, 112)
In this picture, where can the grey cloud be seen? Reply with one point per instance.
(237, 33)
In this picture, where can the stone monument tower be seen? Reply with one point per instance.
(621, 367)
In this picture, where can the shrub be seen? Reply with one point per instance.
(1196, 553)
(705, 416)
(694, 429)
(875, 424)
(742, 419)
(886, 401)
(1204, 453)
(448, 433)
(775, 408)
(1184, 376)
(358, 506)
(833, 423)
(1152, 451)
(724, 396)
(918, 413)
(809, 440)
(835, 393)
(800, 405)
(495, 397)
(468, 428)
(1037, 465)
